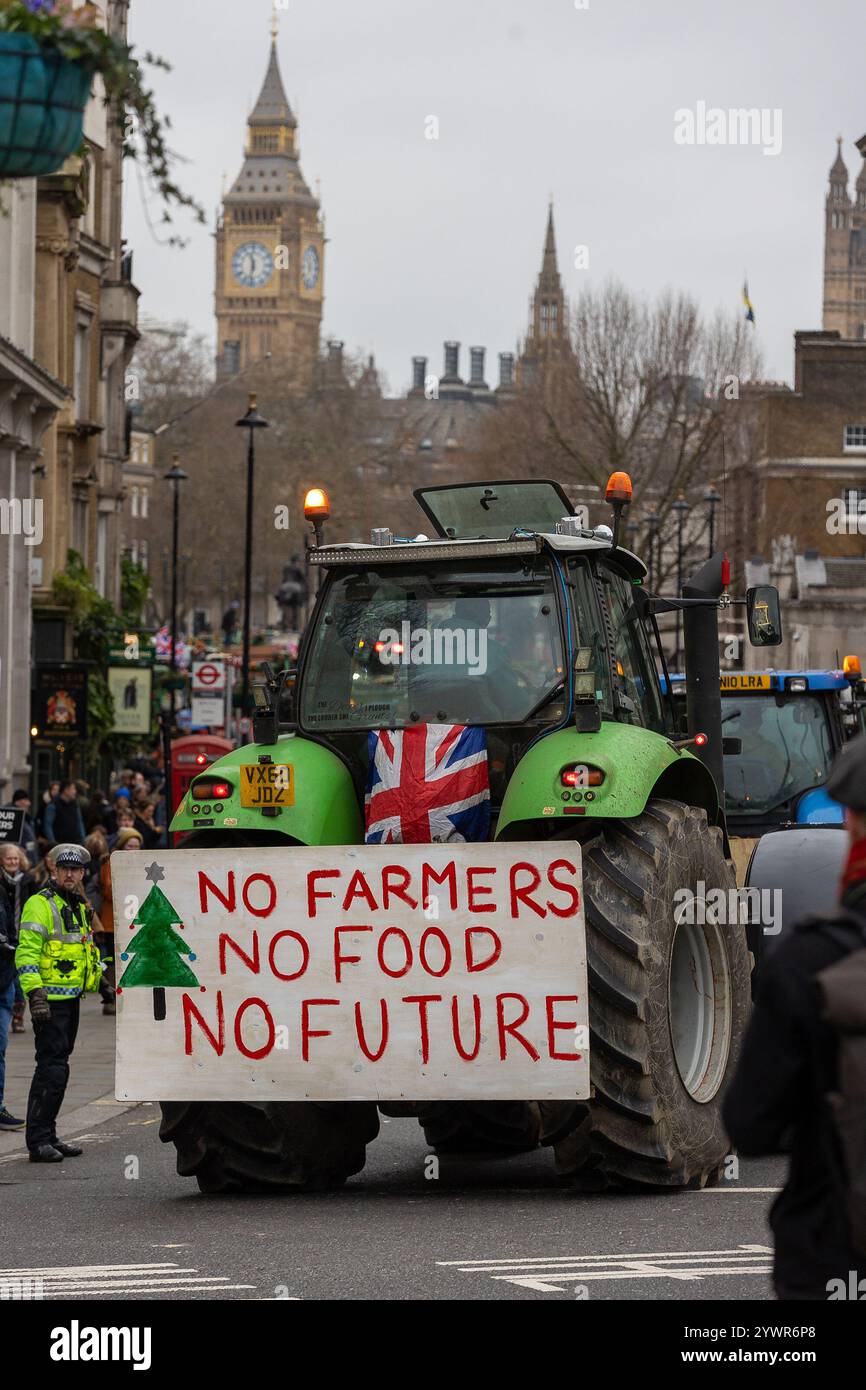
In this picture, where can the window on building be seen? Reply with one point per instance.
(101, 567)
(142, 555)
(82, 368)
(79, 526)
(133, 501)
(144, 499)
(855, 502)
(855, 437)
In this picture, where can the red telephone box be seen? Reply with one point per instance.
(190, 756)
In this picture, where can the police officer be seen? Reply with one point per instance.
(789, 1065)
(57, 962)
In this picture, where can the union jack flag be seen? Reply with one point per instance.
(427, 784)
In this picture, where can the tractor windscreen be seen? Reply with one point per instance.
(786, 748)
(396, 646)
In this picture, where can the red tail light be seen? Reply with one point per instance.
(206, 790)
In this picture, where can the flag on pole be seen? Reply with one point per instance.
(427, 785)
(750, 312)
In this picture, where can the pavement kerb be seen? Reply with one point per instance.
(86, 1117)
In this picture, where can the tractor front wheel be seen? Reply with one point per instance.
(669, 993)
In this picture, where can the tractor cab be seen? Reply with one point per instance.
(782, 730)
(522, 633)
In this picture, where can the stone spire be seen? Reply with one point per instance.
(549, 281)
(272, 107)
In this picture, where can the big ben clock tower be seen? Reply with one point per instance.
(270, 248)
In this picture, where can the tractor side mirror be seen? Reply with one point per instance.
(764, 616)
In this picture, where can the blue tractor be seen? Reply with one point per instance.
(781, 732)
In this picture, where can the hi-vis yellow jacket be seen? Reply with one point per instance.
(55, 949)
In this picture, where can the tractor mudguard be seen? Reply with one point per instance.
(803, 865)
(323, 810)
(637, 764)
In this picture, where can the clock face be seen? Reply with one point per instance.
(310, 268)
(252, 265)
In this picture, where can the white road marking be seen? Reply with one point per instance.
(549, 1274)
(61, 1281)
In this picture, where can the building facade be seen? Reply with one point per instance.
(29, 401)
(270, 249)
(798, 500)
(845, 249)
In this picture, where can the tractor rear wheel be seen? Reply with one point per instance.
(241, 1147)
(669, 996)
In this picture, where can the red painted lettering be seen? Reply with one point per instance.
(313, 893)
(553, 1024)
(306, 1031)
(407, 947)
(475, 890)
(339, 958)
(521, 894)
(398, 891)
(383, 1031)
(190, 1012)
(567, 888)
(272, 950)
(359, 888)
(422, 1000)
(254, 1052)
(455, 1028)
(272, 895)
(471, 963)
(512, 1027)
(446, 952)
(227, 899)
(251, 962)
(429, 875)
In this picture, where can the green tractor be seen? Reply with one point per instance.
(549, 643)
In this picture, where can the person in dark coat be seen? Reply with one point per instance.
(63, 822)
(778, 1100)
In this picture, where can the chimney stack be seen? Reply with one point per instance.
(506, 371)
(452, 364)
(476, 374)
(419, 375)
(335, 360)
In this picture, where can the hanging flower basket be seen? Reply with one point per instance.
(50, 52)
(42, 101)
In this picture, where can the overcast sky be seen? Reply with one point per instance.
(435, 239)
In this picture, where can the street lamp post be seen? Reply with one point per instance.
(712, 499)
(175, 476)
(252, 421)
(653, 522)
(681, 508)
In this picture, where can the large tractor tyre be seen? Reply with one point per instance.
(268, 1147)
(495, 1128)
(669, 994)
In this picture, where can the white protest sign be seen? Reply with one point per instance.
(352, 972)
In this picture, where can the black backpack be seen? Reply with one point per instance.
(843, 993)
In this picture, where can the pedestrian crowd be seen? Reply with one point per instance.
(62, 861)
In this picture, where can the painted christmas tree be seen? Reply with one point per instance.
(156, 951)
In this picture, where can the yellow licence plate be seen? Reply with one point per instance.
(267, 784)
(739, 682)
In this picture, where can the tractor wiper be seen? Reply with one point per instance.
(539, 704)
